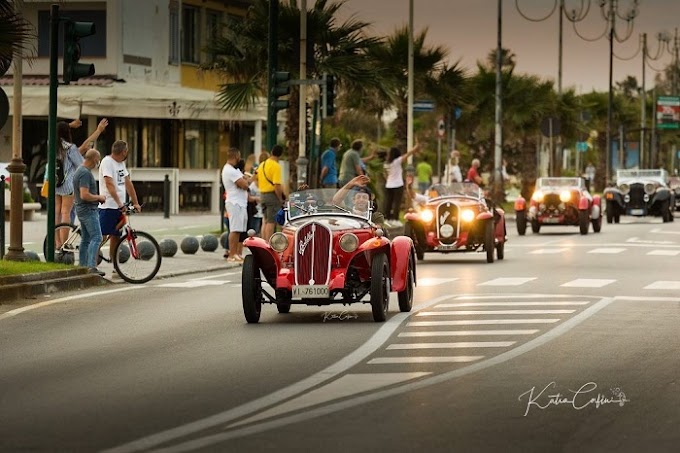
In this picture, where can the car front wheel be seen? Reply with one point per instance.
(380, 287)
(583, 221)
(489, 244)
(406, 296)
(521, 222)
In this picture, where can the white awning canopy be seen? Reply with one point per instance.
(133, 100)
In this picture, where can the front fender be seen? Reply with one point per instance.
(520, 204)
(402, 253)
(266, 258)
(484, 216)
(614, 196)
(372, 244)
(661, 195)
(583, 204)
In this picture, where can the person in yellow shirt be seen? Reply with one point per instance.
(269, 180)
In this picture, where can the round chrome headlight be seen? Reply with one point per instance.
(279, 242)
(650, 188)
(349, 242)
(565, 196)
(537, 196)
(427, 215)
(446, 231)
(467, 215)
(624, 188)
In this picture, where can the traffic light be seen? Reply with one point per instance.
(73, 31)
(280, 87)
(329, 97)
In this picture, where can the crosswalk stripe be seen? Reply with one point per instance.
(475, 322)
(457, 345)
(443, 359)
(432, 281)
(494, 312)
(588, 283)
(607, 250)
(547, 251)
(515, 296)
(468, 333)
(664, 285)
(511, 281)
(664, 252)
(510, 304)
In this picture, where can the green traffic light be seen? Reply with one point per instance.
(73, 31)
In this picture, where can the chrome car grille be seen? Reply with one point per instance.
(312, 254)
(447, 214)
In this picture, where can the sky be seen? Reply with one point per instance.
(468, 29)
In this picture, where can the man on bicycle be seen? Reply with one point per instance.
(86, 200)
(115, 184)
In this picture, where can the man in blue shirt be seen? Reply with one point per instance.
(329, 171)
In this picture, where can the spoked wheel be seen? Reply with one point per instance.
(583, 221)
(251, 290)
(137, 258)
(69, 252)
(406, 296)
(521, 223)
(380, 287)
(489, 243)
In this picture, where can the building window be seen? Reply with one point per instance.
(213, 23)
(190, 34)
(91, 46)
(173, 53)
(201, 144)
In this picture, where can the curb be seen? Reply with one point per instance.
(38, 285)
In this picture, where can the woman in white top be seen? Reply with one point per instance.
(394, 184)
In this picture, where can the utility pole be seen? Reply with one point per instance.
(643, 102)
(610, 99)
(498, 145)
(271, 70)
(409, 116)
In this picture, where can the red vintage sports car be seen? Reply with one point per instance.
(329, 251)
(457, 218)
(559, 201)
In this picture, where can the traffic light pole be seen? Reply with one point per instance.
(52, 130)
(271, 70)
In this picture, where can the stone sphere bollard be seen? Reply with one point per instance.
(146, 250)
(31, 255)
(189, 245)
(168, 247)
(209, 243)
(224, 240)
(68, 258)
(123, 253)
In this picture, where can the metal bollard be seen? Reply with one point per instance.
(2, 217)
(166, 197)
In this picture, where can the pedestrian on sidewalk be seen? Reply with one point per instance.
(269, 180)
(329, 169)
(236, 204)
(87, 201)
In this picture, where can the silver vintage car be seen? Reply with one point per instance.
(640, 193)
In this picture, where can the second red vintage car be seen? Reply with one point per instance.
(559, 201)
(329, 251)
(457, 218)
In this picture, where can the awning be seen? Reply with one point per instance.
(132, 100)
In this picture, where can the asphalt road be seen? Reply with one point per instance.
(476, 366)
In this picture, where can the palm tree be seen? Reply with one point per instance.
(335, 48)
(15, 33)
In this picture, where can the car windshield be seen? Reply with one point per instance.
(558, 182)
(329, 202)
(467, 189)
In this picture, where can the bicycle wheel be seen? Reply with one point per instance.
(68, 253)
(142, 261)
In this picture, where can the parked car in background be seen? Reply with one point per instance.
(559, 201)
(640, 193)
(457, 218)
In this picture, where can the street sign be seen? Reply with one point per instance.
(457, 112)
(550, 126)
(582, 146)
(668, 112)
(441, 129)
(423, 106)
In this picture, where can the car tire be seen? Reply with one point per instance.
(521, 222)
(535, 226)
(500, 250)
(380, 291)
(597, 224)
(489, 243)
(617, 218)
(666, 211)
(583, 221)
(406, 296)
(251, 290)
(610, 212)
(410, 232)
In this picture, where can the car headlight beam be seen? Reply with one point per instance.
(537, 196)
(349, 242)
(565, 196)
(278, 242)
(467, 215)
(427, 216)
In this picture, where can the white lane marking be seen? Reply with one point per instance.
(637, 241)
(661, 284)
(432, 281)
(192, 284)
(664, 252)
(441, 359)
(214, 276)
(648, 299)
(547, 251)
(189, 227)
(213, 439)
(352, 359)
(660, 231)
(347, 385)
(467, 333)
(588, 283)
(457, 345)
(607, 251)
(480, 322)
(494, 312)
(510, 304)
(515, 296)
(94, 295)
(512, 281)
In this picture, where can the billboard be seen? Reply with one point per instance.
(668, 112)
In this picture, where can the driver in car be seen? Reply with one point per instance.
(360, 199)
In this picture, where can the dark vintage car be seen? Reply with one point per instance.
(329, 251)
(640, 193)
(457, 218)
(559, 201)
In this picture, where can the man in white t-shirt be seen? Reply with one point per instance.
(115, 184)
(236, 188)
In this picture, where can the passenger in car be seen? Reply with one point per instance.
(360, 199)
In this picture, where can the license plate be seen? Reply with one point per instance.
(551, 220)
(637, 212)
(446, 247)
(310, 291)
